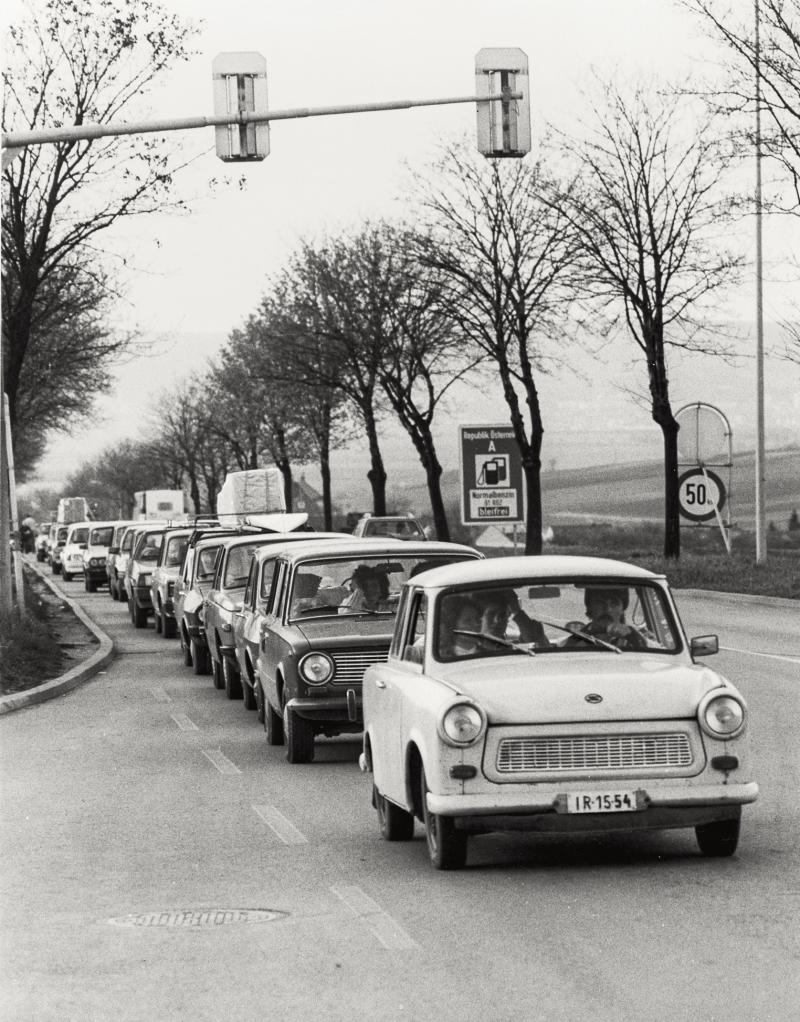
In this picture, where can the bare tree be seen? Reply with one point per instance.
(75, 62)
(506, 257)
(650, 212)
(776, 62)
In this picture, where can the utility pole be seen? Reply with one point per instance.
(761, 532)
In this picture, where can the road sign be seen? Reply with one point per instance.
(240, 86)
(491, 476)
(701, 494)
(504, 127)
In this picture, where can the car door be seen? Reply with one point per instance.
(271, 643)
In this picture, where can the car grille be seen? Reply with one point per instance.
(351, 664)
(595, 752)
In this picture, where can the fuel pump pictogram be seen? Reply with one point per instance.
(491, 470)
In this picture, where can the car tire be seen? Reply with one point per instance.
(186, 650)
(447, 847)
(56, 569)
(395, 823)
(139, 615)
(248, 695)
(66, 576)
(216, 674)
(273, 723)
(112, 590)
(233, 683)
(201, 661)
(168, 626)
(299, 735)
(260, 703)
(157, 621)
(718, 839)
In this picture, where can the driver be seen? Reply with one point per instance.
(605, 608)
(370, 591)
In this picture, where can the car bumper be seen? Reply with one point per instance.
(660, 807)
(344, 710)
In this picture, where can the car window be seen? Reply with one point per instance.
(206, 563)
(249, 589)
(567, 616)
(62, 535)
(414, 636)
(127, 540)
(238, 565)
(79, 535)
(176, 550)
(101, 536)
(268, 575)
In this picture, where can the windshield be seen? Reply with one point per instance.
(398, 528)
(206, 563)
(148, 546)
(356, 585)
(79, 535)
(101, 536)
(570, 616)
(238, 567)
(176, 549)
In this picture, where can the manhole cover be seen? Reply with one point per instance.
(205, 918)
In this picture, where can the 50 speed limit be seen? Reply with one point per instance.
(701, 494)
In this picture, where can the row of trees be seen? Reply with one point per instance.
(505, 265)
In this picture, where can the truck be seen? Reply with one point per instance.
(158, 504)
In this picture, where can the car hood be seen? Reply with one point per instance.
(347, 627)
(514, 691)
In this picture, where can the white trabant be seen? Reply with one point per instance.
(552, 694)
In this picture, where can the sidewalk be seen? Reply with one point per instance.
(77, 675)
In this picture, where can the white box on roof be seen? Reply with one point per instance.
(258, 491)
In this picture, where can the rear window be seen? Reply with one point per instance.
(101, 536)
(80, 536)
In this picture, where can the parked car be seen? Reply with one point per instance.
(147, 540)
(329, 615)
(162, 581)
(95, 555)
(501, 708)
(112, 557)
(72, 553)
(42, 543)
(193, 583)
(58, 537)
(403, 526)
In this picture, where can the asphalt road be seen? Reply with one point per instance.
(161, 862)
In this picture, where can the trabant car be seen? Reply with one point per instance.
(403, 526)
(329, 615)
(112, 555)
(58, 537)
(147, 541)
(72, 554)
(501, 707)
(95, 555)
(162, 581)
(191, 588)
(224, 601)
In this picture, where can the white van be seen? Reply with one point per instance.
(95, 554)
(72, 554)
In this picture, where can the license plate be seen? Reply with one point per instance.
(602, 802)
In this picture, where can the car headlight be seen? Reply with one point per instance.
(95, 562)
(462, 724)
(722, 716)
(316, 668)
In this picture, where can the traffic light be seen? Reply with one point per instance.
(504, 126)
(240, 84)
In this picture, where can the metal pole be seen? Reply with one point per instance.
(6, 603)
(761, 533)
(12, 500)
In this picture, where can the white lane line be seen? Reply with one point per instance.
(768, 656)
(280, 826)
(388, 931)
(221, 761)
(183, 722)
(160, 695)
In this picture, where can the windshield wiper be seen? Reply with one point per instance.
(496, 638)
(582, 635)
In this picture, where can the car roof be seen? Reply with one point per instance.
(353, 547)
(507, 569)
(294, 538)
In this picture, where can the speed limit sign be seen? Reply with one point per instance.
(701, 494)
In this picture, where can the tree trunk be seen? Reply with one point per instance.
(531, 468)
(672, 514)
(377, 473)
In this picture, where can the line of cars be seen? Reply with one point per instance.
(485, 700)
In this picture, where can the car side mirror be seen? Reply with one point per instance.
(704, 645)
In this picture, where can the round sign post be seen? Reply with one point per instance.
(704, 443)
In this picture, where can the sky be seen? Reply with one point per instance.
(191, 279)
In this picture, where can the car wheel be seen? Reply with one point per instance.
(299, 735)
(273, 722)
(56, 569)
(248, 695)
(66, 576)
(139, 615)
(718, 839)
(260, 701)
(90, 585)
(216, 673)
(186, 650)
(447, 846)
(157, 620)
(168, 626)
(233, 683)
(396, 824)
(200, 658)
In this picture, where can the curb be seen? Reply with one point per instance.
(767, 601)
(76, 675)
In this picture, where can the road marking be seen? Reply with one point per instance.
(281, 827)
(221, 761)
(183, 722)
(387, 930)
(768, 656)
(160, 695)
